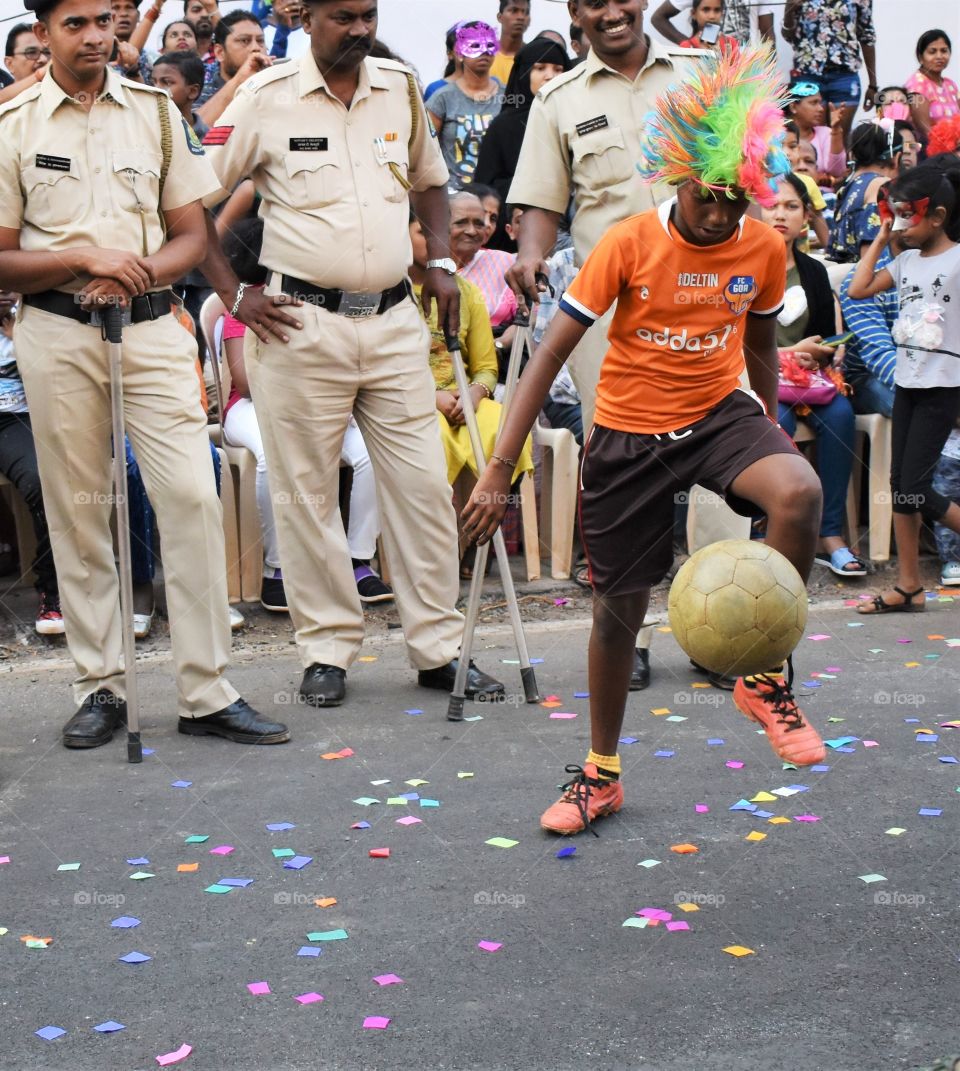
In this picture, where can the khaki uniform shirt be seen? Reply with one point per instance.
(583, 135)
(334, 183)
(70, 178)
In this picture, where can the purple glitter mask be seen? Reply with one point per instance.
(475, 41)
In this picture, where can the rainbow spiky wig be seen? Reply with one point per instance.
(722, 129)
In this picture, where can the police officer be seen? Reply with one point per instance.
(99, 188)
(337, 144)
(584, 134)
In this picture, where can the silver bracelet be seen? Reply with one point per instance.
(239, 298)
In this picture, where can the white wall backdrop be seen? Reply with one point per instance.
(415, 28)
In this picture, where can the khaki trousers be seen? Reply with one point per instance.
(304, 392)
(65, 369)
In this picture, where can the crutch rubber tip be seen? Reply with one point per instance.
(529, 678)
(134, 748)
(455, 708)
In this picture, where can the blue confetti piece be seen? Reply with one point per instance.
(845, 750)
(49, 1033)
(799, 788)
(413, 712)
(581, 695)
(841, 741)
(298, 862)
(280, 827)
(125, 922)
(309, 950)
(536, 661)
(180, 784)
(931, 812)
(819, 769)
(236, 883)
(109, 1027)
(409, 796)
(743, 805)
(715, 742)
(664, 754)
(628, 740)
(911, 721)
(142, 861)
(149, 751)
(429, 803)
(948, 758)
(134, 957)
(361, 825)
(811, 684)
(927, 738)
(763, 814)
(565, 853)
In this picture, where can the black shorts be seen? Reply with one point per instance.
(631, 483)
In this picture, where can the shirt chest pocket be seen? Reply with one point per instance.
(53, 195)
(313, 179)
(392, 169)
(601, 159)
(136, 180)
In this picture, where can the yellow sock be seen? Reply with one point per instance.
(776, 671)
(608, 766)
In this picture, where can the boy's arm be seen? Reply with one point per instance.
(762, 359)
(866, 280)
(482, 515)
(875, 347)
(660, 20)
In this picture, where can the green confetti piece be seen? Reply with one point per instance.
(217, 888)
(895, 831)
(639, 924)
(366, 801)
(69, 866)
(35, 944)
(649, 863)
(283, 853)
(502, 842)
(328, 935)
(676, 717)
(396, 801)
(197, 838)
(869, 879)
(141, 875)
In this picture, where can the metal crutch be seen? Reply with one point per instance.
(113, 333)
(527, 674)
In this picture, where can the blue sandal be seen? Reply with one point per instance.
(838, 560)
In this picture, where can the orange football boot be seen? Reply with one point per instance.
(584, 798)
(768, 700)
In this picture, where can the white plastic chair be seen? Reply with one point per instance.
(26, 537)
(559, 468)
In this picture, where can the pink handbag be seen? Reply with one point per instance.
(802, 386)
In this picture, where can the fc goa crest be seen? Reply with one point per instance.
(740, 292)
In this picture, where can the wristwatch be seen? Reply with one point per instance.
(447, 264)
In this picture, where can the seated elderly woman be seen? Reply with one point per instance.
(485, 268)
(480, 360)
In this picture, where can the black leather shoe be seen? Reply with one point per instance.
(96, 721)
(238, 722)
(718, 680)
(641, 670)
(479, 685)
(323, 685)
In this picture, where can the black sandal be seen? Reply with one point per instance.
(878, 606)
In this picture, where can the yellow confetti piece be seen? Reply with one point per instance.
(763, 797)
(739, 950)
(701, 684)
(688, 907)
(367, 658)
(911, 665)
(326, 901)
(684, 849)
(187, 868)
(3, 930)
(464, 773)
(664, 628)
(416, 782)
(778, 820)
(756, 836)
(660, 710)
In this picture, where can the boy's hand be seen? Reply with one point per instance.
(484, 511)
(811, 348)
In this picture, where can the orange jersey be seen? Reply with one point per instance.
(676, 340)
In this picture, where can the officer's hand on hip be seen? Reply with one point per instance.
(522, 278)
(131, 271)
(441, 287)
(264, 315)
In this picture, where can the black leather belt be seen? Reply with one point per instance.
(354, 304)
(148, 307)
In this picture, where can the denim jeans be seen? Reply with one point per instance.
(836, 86)
(870, 395)
(834, 427)
(946, 480)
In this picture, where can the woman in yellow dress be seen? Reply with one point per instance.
(480, 360)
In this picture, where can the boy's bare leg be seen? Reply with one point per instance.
(788, 491)
(616, 622)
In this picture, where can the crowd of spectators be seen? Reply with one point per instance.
(829, 211)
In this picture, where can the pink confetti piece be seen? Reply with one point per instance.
(376, 1022)
(734, 765)
(819, 636)
(258, 988)
(870, 743)
(564, 715)
(4, 859)
(904, 639)
(834, 669)
(308, 998)
(702, 808)
(175, 1057)
(490, 946)
(387, 979)
(409, 820)
(221, 849)
(806, 818)
(655, 913)
(379, 853)
(678, 925)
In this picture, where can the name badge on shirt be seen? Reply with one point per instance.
(308, 144)
(53, 163)
(589, 125)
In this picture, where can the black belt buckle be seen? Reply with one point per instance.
(358, 304)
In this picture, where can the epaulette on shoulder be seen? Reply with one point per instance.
(129, 83)
(267, 77)
(391, 65)
(19, 100)
(561, 80)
